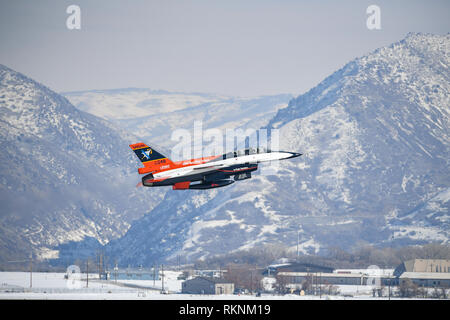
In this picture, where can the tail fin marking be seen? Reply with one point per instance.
(151, 158)
(145, 153)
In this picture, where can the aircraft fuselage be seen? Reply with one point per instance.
(203, 173)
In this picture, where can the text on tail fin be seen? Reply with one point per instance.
(145, 153)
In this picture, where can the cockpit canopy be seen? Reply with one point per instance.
(246, 152)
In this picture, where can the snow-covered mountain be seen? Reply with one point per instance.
(153, 115)
(66, 176)
(375, 138)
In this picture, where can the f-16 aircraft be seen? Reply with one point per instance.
(202, 173)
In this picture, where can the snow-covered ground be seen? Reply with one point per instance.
(16, 285)
(57, 281)
(171, 283)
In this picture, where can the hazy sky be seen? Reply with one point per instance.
(241, 47)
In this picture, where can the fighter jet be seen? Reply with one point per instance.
(202, 173)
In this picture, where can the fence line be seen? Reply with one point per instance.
(66, 290)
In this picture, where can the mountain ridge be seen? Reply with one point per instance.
(55, 164)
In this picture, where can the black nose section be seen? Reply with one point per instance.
(294, 155)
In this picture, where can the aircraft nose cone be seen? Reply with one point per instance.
(294, 155)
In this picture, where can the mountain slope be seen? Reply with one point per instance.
(375, 138)
(154, 114)
(65, 174)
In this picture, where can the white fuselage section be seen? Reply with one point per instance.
(217, 164)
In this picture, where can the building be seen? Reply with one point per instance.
(206, 285)
(427, 279)
(423, 265)
(134, 274)
(424, 272)
(296, 267)
(358, 277)
(209, 273)
(297, 278)
(191, 273)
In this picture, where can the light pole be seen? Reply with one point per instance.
(162, 278)
(154, 275)
(31, 270)
(116, 268)
(320, 285)
(389, 288)
(251, 281)
(87, 273)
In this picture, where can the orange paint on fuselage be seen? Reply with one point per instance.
(166, 164)
(181, 185)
